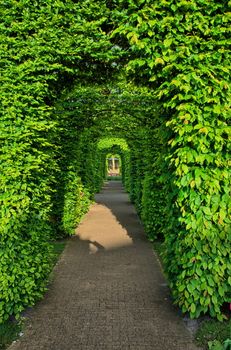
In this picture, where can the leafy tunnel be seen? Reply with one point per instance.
(145, 79)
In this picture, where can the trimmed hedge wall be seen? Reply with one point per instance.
(176, 167)
(44, 46)
(180, 49)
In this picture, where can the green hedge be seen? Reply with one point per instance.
(25, 262)
(76, 203)
(176, 164)
(44, 46)
(180, 49)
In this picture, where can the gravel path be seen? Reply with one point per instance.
(108, 291)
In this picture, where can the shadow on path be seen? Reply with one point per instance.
(108, 291)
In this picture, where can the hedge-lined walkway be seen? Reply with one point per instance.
(108, 291)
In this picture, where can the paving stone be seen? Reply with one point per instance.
(108, 291)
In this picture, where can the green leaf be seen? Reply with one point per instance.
(167, 42)
(193, 308)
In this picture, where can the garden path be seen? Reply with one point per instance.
(108, 291)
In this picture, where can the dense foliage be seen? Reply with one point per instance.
(43, 46)
(180, 49)
(148, 80)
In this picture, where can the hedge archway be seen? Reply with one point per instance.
(155, 74)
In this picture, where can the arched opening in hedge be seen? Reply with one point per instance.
(111, 146)
(73, 73)
(113, 165)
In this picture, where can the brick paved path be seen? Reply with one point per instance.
(108, 292)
